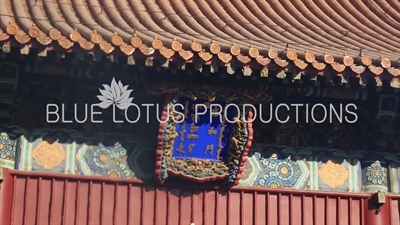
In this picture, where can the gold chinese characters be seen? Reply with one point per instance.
(209, 149)
(211, 131)
(190, 148)
(193, 128)
(192, 137)
(180, 149)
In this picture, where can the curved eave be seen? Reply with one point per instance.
(340, 34)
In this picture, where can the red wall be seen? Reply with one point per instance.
(64, 199)
(395, 210)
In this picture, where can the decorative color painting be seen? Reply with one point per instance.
(7, 151)
(123, 156)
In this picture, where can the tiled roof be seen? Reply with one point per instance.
(344, 33)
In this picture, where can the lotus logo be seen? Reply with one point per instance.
(115, 94)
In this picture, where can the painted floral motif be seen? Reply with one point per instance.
(279, 173)
(6, 147)
(99, 158)
(272, 182)
(119, 170)
(48, 155)
(333, 174)
(376, 174)
(107, 161)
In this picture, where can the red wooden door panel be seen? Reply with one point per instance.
(40, 198)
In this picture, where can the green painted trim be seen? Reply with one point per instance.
(73, 157)
(9, 164)
(22, 153)
(393, 184)
(67, 168)
(29, 154)
(352, 176)
(26, 154)
(313, 173)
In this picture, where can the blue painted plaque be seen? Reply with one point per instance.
(207, 144)
(205, 137)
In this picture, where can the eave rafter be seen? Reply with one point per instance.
(117, 40)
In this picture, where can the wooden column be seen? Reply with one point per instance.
(372, 216)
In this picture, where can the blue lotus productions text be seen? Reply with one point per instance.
(282, 113)
(303, 113)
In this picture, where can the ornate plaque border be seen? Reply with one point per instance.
(201, 170)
